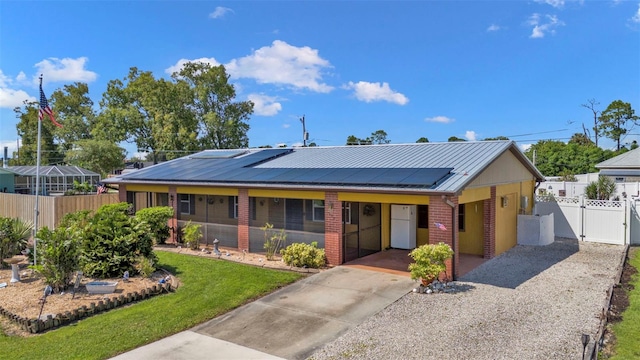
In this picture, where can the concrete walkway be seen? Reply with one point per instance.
(290, 323)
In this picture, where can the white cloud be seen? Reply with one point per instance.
(283, 64)
(525, 147)
(440, 119)
(219, 12)
(470, 135)
(265, 105)
(4, 79)
(636, 18)
(10, 98)
(493, 27)
(554, 3)
(543, 25)
(369, 92)
(286, 125)
(180, 64)
(67, 69)
(22, 77)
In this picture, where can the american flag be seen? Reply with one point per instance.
(45, 109)
(101, 188)
(440, 226)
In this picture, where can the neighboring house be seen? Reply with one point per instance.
(622, 168)
(53, 179)
(7, 180)
(352, 200)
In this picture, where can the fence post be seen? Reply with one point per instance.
(582, 207)
(627, 221)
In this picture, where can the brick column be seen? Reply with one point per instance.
(122, 193)
(489, 219)
(243, 219)
(440, 212)
(173, 222)
(333, 245)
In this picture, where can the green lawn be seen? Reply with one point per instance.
(208, 289)
(628, 330)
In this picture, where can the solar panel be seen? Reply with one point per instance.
(218, 154)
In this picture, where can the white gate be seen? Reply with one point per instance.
(601, 221)
(634, 222)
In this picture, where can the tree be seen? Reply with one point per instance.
(555, 158)
(495, 138)
(154, 114)
(591, 105)
(223, 123)
(379, 137)
(455, 138)
(28, 131)
(615, 118)
(580, 139)
(100, 156)
(73, 106)
(422, 140)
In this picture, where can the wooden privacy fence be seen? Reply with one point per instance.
(604, 221)
(51, 208)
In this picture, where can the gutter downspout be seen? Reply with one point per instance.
(453, 235)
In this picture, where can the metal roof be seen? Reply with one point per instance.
(629, 160)
(433, 167)
(52, 170)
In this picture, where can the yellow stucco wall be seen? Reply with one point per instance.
(206, 190)
(471, 239)
(507, 202)
(385, 221)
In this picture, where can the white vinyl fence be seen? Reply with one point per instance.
(603, 221)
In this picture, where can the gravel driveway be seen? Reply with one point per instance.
(528, 303)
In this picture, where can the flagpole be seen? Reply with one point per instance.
(36, 212)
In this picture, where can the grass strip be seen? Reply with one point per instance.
(627, 331)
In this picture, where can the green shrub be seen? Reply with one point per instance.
(429, 261)
(603, 189)
(157, 218)
(303, 255)
(57, 253)
(14, 235)
(113, 241)
(145, 267)
(273, 240)
(191, 235)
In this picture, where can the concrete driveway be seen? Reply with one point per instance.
(290, 323)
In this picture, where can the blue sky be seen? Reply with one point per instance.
(471, 69)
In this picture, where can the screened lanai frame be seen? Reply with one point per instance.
(53, 179)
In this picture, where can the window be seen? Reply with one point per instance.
(235, 207)
(318, 210)
(461, 210)
(347, 213)
(423, 216)
(185, 203)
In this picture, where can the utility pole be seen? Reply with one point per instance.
(305, 134)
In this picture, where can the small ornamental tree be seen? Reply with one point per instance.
(157, 219)
(429, 261)
(57, 256)
(191, 235)
(273, 240)
(603, 189)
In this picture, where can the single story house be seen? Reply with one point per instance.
(352, 200)
(7, 180)
(622, 168)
